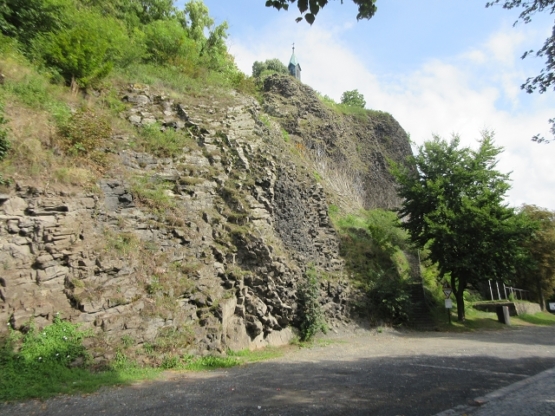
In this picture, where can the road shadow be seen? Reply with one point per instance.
(417, 385)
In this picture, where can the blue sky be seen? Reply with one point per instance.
(438, 66)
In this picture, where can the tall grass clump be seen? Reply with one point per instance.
(51, 361)
(164, 143)
(39, 361)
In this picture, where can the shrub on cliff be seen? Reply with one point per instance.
(353, 99)
(86, 50)
(310, 311)
(267, 67)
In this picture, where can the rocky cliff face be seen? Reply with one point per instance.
(350, 151)
(206, 248)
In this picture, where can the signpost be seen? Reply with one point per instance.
(448, 303)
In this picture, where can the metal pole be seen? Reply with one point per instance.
(490, 291)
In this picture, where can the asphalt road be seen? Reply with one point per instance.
(361, 373)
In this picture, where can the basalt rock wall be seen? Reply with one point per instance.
(212, 254)
(350, 150)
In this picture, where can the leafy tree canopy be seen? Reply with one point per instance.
(274, 65)
(24, 19)
(545, 80)
(353, 98)
(82, 40)
(538, 273)
(310, 8)
(453, 206)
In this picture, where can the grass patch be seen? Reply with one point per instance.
(540, 318)
(179, 80)
(168, 143)
(154, 193)
(475, 321)
(53, 361)
(316, 342)
(285, 135)
(247, 356)
(209, 363)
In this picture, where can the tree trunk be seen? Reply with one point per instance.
(540, 295)
(459, 296)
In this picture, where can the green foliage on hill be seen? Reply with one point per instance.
(269, 66)
(82, 41)
(453, 207)
(537, 274)
(376, 253)
(353, 99)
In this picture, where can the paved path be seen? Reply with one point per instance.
(362, 373)
(529, 397)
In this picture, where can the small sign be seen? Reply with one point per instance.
(447, 290)
(552, 306)
(448, 304)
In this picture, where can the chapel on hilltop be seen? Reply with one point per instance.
(294, 67)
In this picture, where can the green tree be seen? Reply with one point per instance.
(85, 50)
(546, 78)
(538, 274)
(453, 206)
(136, 12)
(310, 8)
(353, 98)
(25, 19)
(197, 22)
(167, 41)
(274, 65)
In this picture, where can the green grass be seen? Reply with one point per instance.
(247, 356)
(18, 383)
(192, 81)
(232, 359)
(169, 143)
(285, 136)
(482, 321)
(475, 320)
(208, 363)
(34, 91)
(540, 318)
(42, 364)
(153, 193)
(39, 364)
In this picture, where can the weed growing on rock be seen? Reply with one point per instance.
(285, 135)
(123, 243)
(164, 143)
(85, 132)
(154, 193)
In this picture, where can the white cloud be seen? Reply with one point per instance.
(504, 45)
(472, 90)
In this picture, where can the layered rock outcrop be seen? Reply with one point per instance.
(210, 244)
